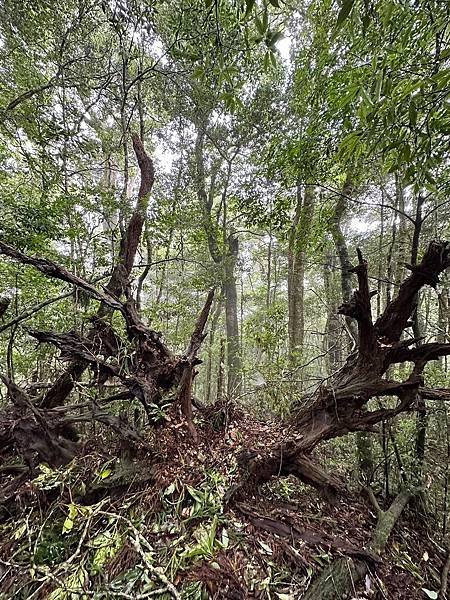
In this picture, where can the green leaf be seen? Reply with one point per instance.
(105, 473)
(276, 37)
(378, 85)
(345, 11)
(260, 26)
(67, 525)
(72, 587)
(198, 73)
(249, 4)
(412, 113)
(275, 3)
(70, 519)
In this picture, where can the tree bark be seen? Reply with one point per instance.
(298, 241)
(234, 362)
(339, 407)
(363, 442)
(342, 250)
(118, 282)
(332, 344)
(226, 258)
(338, 580)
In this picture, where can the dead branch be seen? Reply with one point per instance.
(190, 360)
(392, 322)
(52, 269)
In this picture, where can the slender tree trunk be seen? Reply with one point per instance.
(443, 317)
(401, 242)
(234, 361)
(269, 270)
(209, 366)
(226, 257)
(380, 259)
(332, 344)
(390, 284)
(298, 240)
(221, 372)
(422, 418)
(342, 251)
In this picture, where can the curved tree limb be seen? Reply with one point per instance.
(52, 269)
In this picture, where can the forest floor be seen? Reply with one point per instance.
(161, 526)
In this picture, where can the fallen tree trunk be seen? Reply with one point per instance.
(337, 581)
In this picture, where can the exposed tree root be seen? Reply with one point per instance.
(340, 407)
(142, 364)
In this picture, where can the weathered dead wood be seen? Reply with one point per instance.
(444, 577)
(394, 319)
(147, 369)
(190, 360)
(358, 307)
(51, 269)
(423, 353)
(49, 433)
(27, 429)
(258, 468)
(73, 346)
(439, 394)
(120, 275)
(339, 407)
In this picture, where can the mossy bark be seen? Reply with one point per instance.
(338, 580)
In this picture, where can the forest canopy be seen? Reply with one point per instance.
(224, 299)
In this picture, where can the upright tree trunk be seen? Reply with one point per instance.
(209, 367)
(226, 257)
(421, 420)
(443, 317)
(342, 251)
(220, 372)
(234, 362)
(332, 345)
(298, 240)
(401, 241)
